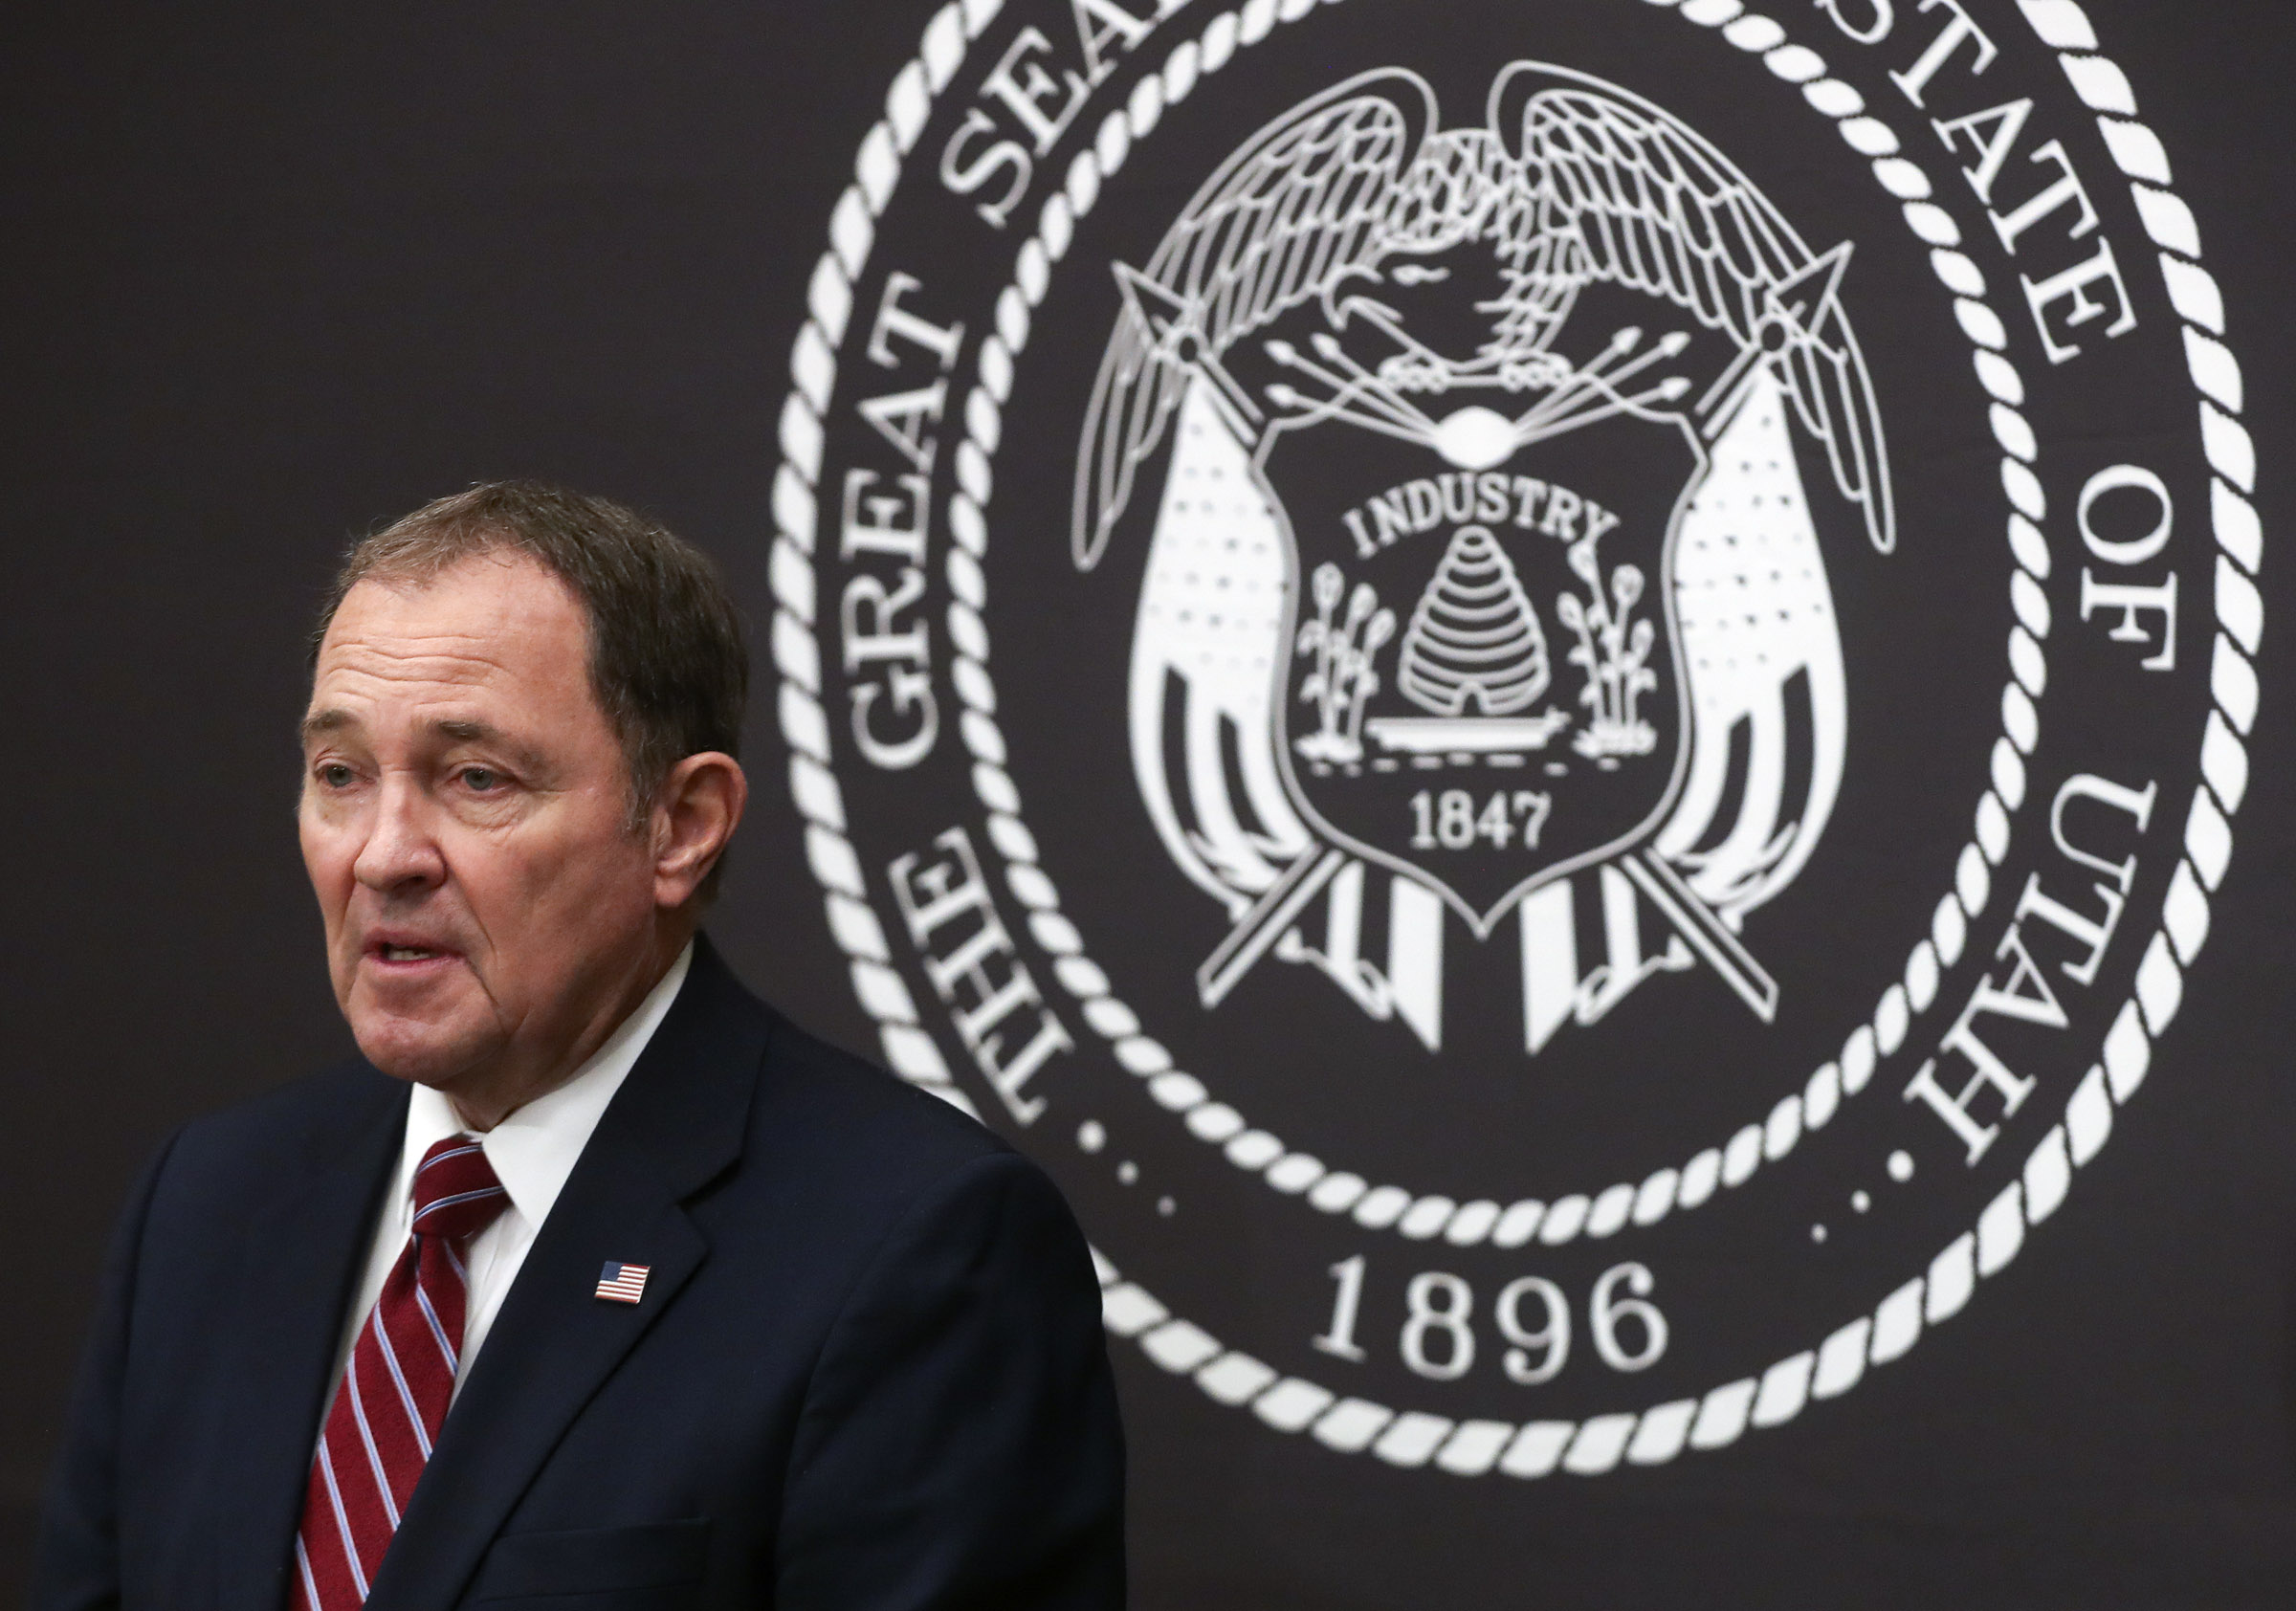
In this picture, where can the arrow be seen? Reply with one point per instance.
(1175, 329)
(1801, 315)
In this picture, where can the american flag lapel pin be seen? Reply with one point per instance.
(623, 1283)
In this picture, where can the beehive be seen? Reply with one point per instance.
(1474, 639)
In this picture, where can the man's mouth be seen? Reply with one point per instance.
(404, 954)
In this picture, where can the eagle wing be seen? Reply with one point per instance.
(1298, 204)
(1648, 204)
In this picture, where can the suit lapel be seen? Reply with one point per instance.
(305, 1248)
(675, 1125)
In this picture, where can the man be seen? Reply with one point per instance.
(596, 1283)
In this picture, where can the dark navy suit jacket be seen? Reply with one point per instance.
(867, 1372)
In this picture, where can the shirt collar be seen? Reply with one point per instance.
(535, 1148)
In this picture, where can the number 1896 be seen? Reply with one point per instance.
(1530, 1313)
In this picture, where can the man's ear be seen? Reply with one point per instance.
(695, 813)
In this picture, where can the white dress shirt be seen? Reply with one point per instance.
(533, 1151)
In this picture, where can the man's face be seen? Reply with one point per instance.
(464, 819)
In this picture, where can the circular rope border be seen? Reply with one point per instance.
(1718, 1419)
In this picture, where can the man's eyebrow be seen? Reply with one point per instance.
(457, 729)
(332, 720)
(464, 731)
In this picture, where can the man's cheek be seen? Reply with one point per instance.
(328, 858)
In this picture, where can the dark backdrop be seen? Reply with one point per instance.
(274, 274)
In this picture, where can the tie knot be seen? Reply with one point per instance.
(455, 1192)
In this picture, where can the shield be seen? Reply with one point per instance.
(1484, 688)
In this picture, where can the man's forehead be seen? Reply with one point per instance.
(449, 650)
(489, 609)
(392, 652)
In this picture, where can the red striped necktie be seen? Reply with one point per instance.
(387, 1412)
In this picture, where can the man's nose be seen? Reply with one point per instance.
(402, 848)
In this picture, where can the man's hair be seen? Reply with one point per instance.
(668, 666)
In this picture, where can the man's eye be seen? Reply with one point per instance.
(481, 780)
(336, 775)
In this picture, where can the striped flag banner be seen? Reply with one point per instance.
(623, 1283)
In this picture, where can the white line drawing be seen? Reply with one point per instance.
(1338, 207)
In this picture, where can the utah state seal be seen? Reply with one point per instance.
(1550, 696)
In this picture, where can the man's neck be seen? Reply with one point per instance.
(481, 1105)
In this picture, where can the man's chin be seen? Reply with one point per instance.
(419, 1052)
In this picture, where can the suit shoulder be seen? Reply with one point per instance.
(875, 1169)
(863, 1108)
(275, 1125)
